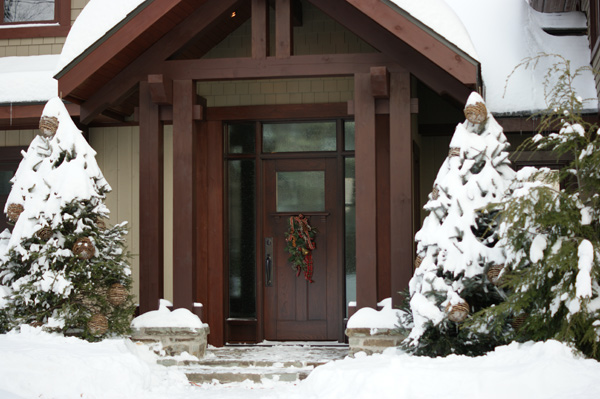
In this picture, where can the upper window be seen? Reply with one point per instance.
(18, 11)
(34, 18)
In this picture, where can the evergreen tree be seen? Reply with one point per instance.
(551, 233)
(457, 244)
(62, 267)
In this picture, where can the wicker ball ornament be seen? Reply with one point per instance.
(48, 126)
(493, 274)
(100, 224)
(418, 262)
(44, 233)
(83, 248)
(98, 324)
(518, 321)
(14, 211)
(435, 193)
(476, 113)
(458, 312)
(117, 294)
(454, 152)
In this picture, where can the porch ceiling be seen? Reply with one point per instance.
(166, 33)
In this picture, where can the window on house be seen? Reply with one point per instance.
(34, 18)
(19, 11)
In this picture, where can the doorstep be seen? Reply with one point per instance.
(272, 361)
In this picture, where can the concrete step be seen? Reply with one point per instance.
(256, 363)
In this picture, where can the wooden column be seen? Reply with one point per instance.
(260, 29)
(283, 28)
(401, 184)
(366, 190)
(151, 202)
(184, 232)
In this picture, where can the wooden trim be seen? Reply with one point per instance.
(62, 17)
(458, 64)
(260, 29)
(151, 204)
(184, 181)
(216, 234)
(401, 184)
(366, 189)
(273, 112)
(161, 89)
(380, 82)
(271, 67)
(283, 29)
(148, 63)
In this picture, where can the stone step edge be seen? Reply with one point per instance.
(226, 378)
(237, 363)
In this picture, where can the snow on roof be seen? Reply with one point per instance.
(28, 79)
(498, 33)
(438, 16)
(95, 20)
(504, 33)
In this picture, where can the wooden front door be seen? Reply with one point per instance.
(295, 309)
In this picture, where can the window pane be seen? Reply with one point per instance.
(242, 238)
(301, 191)
(28, 10)
(350, 232)
(349, 135)
(5, 184)
(241, 138)
(297, 137)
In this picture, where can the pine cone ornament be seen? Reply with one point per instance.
(493, 274)
(459, 312)
(518, 321)
(44, 233)
(117, 294)
(454, 152)
(98, 324)
(48, 126)
(476, 113)
(14, 211)
(418, 262)
(83, 248)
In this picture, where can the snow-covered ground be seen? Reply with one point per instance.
(35, 364)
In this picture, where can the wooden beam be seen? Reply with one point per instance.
(27, 116)
(151, 206)
(149, 62)
(184, 226)
(271, 67)
(403, 55)
(380, 82)
(366, 189)
(260, 29)
(272, 112)
(401, 184)
(458, 64)
(283, 29)
(161, 89)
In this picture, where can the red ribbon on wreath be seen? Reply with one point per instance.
(300, 243)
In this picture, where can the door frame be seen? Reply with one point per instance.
(247, 330)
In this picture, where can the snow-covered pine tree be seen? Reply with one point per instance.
(552, 234)
(61, 266)
(456, 246)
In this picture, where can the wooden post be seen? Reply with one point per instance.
(184, 231)
(401, 184)
(366, 190)
(151, 202)
(260, 29)
(283, 29)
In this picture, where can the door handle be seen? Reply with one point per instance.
(269, 262)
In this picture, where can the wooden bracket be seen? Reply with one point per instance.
(380, 82)
(161, 89)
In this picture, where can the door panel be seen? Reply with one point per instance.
(295, 309)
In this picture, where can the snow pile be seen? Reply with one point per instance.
(95, 20)
(163, 317)
(375, 319)
(528, 371)
(28, 79)
(37, 364)
(504, 33)
(46, 180)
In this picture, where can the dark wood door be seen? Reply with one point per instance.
(294, 308)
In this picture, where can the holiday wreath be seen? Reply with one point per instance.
(300, 243)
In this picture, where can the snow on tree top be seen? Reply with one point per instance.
(54, 172)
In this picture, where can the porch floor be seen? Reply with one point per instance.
(276, 361)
